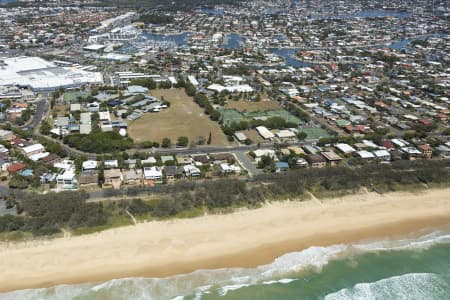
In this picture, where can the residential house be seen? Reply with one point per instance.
(411, 151)
(66, 180)
(223, 157)
(345, 148)
(296, 150)
(201, 159)
(38, 156)
(388, 144)
(111, 163)
(47, 178)
(133, 177)
(15, 167)
(332, 158)
(426, 150)
(104, 116)
(75, 107)
(106, 127)
(226, 168)
(85, 128)
(301, 162)
(443, 150)
(19, 142)
(113, 177)
(88, 165)
(399, 143)
(93, 107)
(311, 149)
(153, 174)
(191, 171)
(259, 153)
(285, 134)
(62, 122)
(172, 172)
(85, 123)
(64, 164)
(382, 154)
(51, 159)
(363, 154)
(316, 160)
(33, 149)
(88, 178)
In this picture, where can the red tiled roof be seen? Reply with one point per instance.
(16, 167)
(388, 144)
(424, 147)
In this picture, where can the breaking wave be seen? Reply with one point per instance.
(221, 281)
(418, 286)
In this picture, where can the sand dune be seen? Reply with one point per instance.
(245, 238)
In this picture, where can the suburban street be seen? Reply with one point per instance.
(247, 163)
(41, 108)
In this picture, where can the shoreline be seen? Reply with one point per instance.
(246, 238)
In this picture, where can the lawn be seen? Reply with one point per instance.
(232, 115)
(315, 133)
(72, 97)
(183, 118)
(250, 106)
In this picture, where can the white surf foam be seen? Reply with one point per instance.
(422, 242)
(417, 286)
(223, 281)
(282, 281)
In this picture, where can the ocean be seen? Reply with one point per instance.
(413, 267)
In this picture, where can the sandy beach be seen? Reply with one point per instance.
(242, 239)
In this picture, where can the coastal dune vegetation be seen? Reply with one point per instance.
(54, 213)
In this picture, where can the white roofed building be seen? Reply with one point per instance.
(382, 154)
(265, 133)
(242, 88)
(285, 134)
(89, 165)
(41, 75)
(193, 80)
(229, 168)
(104, 116)
(153, 173)
(264, 152)
(67, 180)
(365, 154)
(345, 148)
(191, 171)
(33, 149)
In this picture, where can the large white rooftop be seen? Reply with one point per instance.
(39, 74)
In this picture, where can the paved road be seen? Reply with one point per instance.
(247, 163)
(41, 108)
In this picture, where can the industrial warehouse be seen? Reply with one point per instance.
(40, 75)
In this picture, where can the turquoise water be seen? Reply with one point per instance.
(415, 267)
